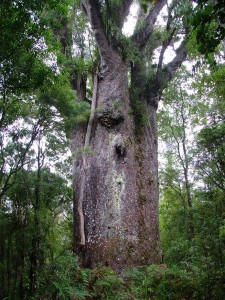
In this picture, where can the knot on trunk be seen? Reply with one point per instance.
(110, 116)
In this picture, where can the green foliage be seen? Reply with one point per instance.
(199, 255)
(62, 97)
(212, 154)
(143, 283)
(208, 22)
(32, 226)
(161, 282)
(146, 4)
(107, 285)
(23, 61)
(22, 67)
(64, 279)
(214, 83)
(33, 200)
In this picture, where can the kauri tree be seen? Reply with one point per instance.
(116, 177)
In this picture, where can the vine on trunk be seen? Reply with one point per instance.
(86, 145)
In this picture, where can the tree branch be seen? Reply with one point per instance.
(169, 70)
(159, 81)
(92, 10)
(122, 12)
(165, 45)
(168, 40)
(141, 37)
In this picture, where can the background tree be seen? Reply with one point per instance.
(177, 118)
(28, 91)
(33, 210)
(203, 254)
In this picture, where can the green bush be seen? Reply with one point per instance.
(107, 285)
(64, 279)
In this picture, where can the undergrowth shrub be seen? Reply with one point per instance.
(65, 279)
(107, 285)
(157, 282)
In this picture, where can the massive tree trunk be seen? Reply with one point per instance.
(116, 180)
(120, 201)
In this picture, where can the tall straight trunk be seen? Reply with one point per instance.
(21, 259)
(120, 203)
(36, 238)
(9, 264)
(2, 257)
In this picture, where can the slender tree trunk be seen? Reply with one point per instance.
(36, 238)
(21, 259)
(120, 202)
(2, 257)
(185, 164)
(9, 264)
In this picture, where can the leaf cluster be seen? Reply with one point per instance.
(208, 22)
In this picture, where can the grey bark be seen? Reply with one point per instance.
(121, 191)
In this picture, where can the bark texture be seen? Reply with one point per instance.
(121, 183)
